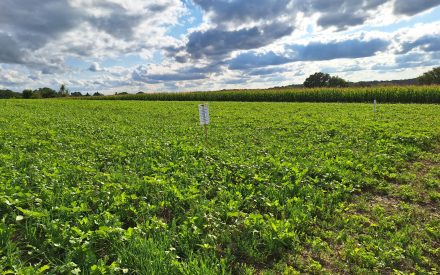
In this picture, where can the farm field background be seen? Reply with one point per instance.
(384, 94)
(132, 187)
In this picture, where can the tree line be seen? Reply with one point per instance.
(44, 93)
(316, 80)
(320, 80)
(50, 93)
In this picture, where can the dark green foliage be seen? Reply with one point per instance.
(97, 94)
(63, 91)
(76, 94)
(336, 81)
(28, 94)
(400, 82)
(9, 94)
(430, 78)
(321, 80)
(317, 80)
(45, 93)
(40, 93)
(391, 94)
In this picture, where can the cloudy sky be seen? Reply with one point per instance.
(182, 45)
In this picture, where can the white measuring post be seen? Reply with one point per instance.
(375, 103)
(204, 118)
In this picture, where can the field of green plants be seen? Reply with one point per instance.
(386, 94)
(131, 187)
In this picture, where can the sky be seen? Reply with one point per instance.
(192, 45)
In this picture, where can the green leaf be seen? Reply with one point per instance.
(33, 214)
(43, 268)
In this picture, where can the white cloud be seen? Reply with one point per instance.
(138, 33)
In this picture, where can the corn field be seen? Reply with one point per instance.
(391, 94)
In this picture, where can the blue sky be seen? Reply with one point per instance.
(185, 45)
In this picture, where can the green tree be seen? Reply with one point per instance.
(28, 93)
(45, 92)
(9, 94)
(76, 94)
(317, 80)
(336, 81)
(63, 91)
(430, 78)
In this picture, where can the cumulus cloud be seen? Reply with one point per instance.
(341, 21)
(353, 48)
(11, 78)
(36, 33)
(267, 71)
(29, 25)
(35, 23)
(95, 67)
(314, 51)
(245, 25)
(410, 60)
(251, 60)
(332, 13)
(142, 74)
(338, 13)
(117, 24)
(10, 51)
(119, 21)
(427, 43)
(225, 12)
(202, 42)
(413, 7)
(342, 13)
(216, 42)
(235, 26)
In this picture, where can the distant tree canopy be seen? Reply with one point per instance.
(430, 78)
(45, 92)
(40, 93)
(28, 93)
(336, 81)
(63, 91)
(317, 80)
(9, 94)
(76, 94)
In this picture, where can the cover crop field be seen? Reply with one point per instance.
(131, 187)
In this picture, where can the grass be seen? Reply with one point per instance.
(131, 187)
(387, 94)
